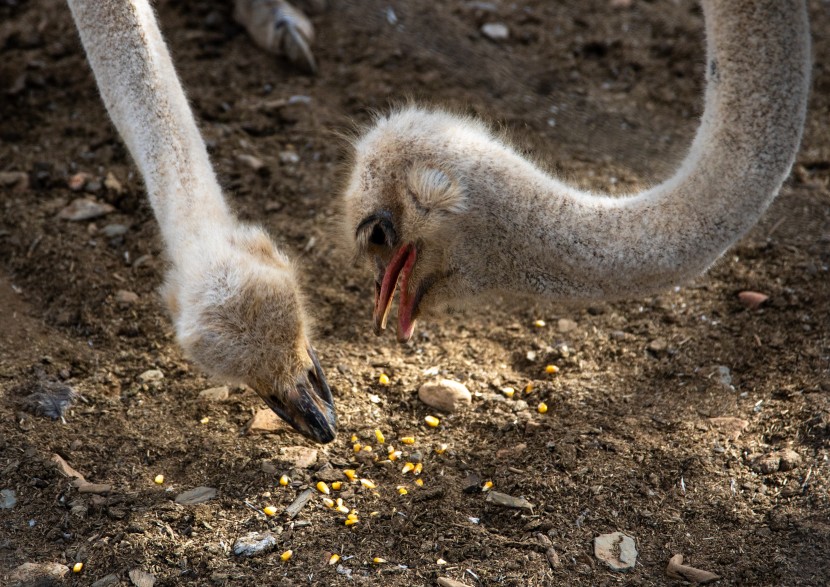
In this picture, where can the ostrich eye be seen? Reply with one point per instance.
(377, 237)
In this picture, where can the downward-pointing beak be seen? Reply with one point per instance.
(308, 405)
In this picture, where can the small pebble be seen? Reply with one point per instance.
(196, 495)
(151, 376)
(215, 394)
(124, 297)
(616, 550)
(445, 395)
(85, 209)
(254, 543)
(752, 299)
(564, 325)
(496, 31)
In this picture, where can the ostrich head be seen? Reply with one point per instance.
(408, 210)
(239, 315)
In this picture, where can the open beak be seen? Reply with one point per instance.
(398, 269)
(307, 405)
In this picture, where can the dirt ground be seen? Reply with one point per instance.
(685, 420)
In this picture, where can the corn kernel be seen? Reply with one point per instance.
(269, 510)
(539, 323)
(77, 567)
(440, 561)
(542, 408)
(374, 514)
(351, 521)
(368, 483)
(287, 555)
(441, 449)
(334, 559)
(529, 388)
(367, 448)
(418, 468)
(159, 479)
(487, 486)
(379, 436)
(383, 379)
(395, 455)
(351, 474)
(408, 440)
(354, 437)
(508, 392)
(419, 482)
(432, 421)
(357, 446)
(352, 514)
(285, 480)
(336, 485)
(323, 488)
(329, 503)
(205, 420)
(378, 561)
(402, 490)
(343, 509)
(551, 369)
(407, 468)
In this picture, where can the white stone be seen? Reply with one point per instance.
(445, 395)
(616, 550)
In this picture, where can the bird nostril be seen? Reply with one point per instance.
(378, 237)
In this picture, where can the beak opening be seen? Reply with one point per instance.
(309, 406)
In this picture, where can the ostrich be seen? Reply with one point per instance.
(449, 212)
(233, 295)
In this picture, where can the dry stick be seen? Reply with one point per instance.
(677, 570)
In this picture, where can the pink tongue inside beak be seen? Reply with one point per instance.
(400, 266)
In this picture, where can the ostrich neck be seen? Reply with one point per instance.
(147, 104)
(573, 244)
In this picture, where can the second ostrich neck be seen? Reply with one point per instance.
(568, 244)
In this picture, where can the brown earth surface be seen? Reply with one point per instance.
(645, 434)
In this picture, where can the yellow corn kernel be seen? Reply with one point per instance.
(269, 510)
(159, 479)
(379, 436)
(351, 474)
(407, 468)
(441, 449)
(323, 488)
(383, 379)
(336, 485)
(285, 480)
(334, 559)
(205, 420)
(539, 323)
(408, 440)
(551, 369)
(329, 503)
(529, 388)
(343, 509)
(368, 483)
(367, 448)
(287, 555)
(508, 392)
(402, 490)
(374, 514)
(351, 521)
(395, 455)
(352, 515)
(357, 446)
(419, 482)
(487, 486)
(432, 421)
(440, 561)
(354, 437)
(418, 468)
(378, 561)
(542, 408)
(77, 567)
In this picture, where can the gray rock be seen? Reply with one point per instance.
(445, 395)
(616, 550)
(141, 578)
(298, 457)
(151, 376)
(564, 325)
(40, 574)
(85, 209)
(7, 499)
(215, 394)
(788, 459)
(196, 495)
(254, 543)
(508, 501)
(496, 31)
(114, 231)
